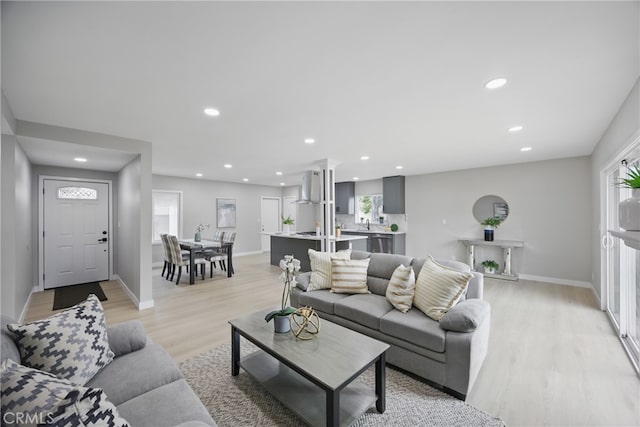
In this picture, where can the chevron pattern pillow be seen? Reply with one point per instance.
(34, 397)
(71, 345)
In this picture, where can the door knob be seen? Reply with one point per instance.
(104, 239)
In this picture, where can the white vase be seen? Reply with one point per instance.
(285, 229)
(629, 212)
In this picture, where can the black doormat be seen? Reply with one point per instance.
(72, 295)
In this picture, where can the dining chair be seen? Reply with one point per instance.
(218, 235)
(167, 255)
(179, 260)
(220, 254)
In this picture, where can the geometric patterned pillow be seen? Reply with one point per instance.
(29, 392)
(30, 396)
(71, 345)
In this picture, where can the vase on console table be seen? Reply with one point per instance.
(629, 212)
(488, 234)
(197, 237)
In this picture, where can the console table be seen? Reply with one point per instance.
(507, 249)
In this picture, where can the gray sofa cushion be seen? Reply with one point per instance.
(414, 327)
(8, 349)
(465, 316)
(169, 405)
(360, 255)
(126, 337)
(135, 373)
(322, 300)
(365, 309)
(302, 281)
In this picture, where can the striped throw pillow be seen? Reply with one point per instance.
(349, 276)
(401, 288)
(439, 288)
(321, 268)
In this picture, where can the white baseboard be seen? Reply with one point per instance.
(247, 253)
(26, 304)
(141, 305)
(556, 281)
(157, 264)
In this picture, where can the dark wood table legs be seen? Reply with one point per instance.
(380, 384)
(235, 352)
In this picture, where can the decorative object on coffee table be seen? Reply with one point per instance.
(629, 209)
(281, 320)
(490, 224)
(307, 323)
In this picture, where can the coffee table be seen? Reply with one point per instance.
(313, 378)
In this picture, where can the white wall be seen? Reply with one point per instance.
(623, 129)
(549, 206)
(199, 207)
(17, 279)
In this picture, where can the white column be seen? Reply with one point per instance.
(328, 204)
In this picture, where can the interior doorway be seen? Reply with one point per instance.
(75, 232)
(269, 220)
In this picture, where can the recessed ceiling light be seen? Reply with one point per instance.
(525, 149)
(80, 159)
(211, 112)
(516, 128)
(198, 174)
(309, 140)
(364, 158)
(228, 166)
(355, 178)
(282, 183)
(245, 179)
(278, 173)
(399, 167)
(496, 83)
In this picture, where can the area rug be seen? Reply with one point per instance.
(239, 401)
(71, 295)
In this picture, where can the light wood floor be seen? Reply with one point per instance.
(553, 357)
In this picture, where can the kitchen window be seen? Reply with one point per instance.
(369, 207)
(167, 213)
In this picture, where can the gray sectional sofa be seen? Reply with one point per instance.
(450, 358)
(142, 381)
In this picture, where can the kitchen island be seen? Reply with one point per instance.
(298, 245)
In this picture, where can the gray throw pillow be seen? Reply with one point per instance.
(71, 345)
(302, 281)
(465, 316)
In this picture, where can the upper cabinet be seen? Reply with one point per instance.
(345, 198)
(393, 194)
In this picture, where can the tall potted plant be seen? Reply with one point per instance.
(490, 224)
(290, 269)
(629, 209)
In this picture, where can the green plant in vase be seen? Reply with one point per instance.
(629, 209)
(286, 223)
(490, 224)
(490, 266)
(290, 269)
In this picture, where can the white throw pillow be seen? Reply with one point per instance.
(349, 276)
(72, 345)
(439, 288)
(402, 288)
(321, 268)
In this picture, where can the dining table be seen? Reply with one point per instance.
(195, 247)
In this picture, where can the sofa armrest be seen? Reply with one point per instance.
(302, 281)
(126, 337)
(465, 316)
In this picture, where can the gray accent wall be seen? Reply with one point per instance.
(17, 279)
(199, 207)
(550, 210)
(623, 130)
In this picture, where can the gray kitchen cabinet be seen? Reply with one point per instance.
(345, 198)
(393, 194)
(392, 243)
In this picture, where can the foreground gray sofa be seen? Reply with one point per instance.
(449, 359)
(142, 381)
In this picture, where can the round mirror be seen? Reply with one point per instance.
(490, 206)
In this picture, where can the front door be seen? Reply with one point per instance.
(269, 219)
(76, 232)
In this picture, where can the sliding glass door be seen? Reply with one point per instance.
(622, 263)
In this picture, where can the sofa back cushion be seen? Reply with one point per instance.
(381, 268)
(8, 349)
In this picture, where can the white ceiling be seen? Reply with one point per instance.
(399, 82)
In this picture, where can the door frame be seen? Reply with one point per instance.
(279, 199)
(41, 180)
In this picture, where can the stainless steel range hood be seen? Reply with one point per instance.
(311, 188)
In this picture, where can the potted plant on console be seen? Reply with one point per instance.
(490, 266)
(490, 224)
(629, 209)
(290, 269)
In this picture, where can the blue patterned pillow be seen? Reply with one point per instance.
(71, 345)
(30, 396)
